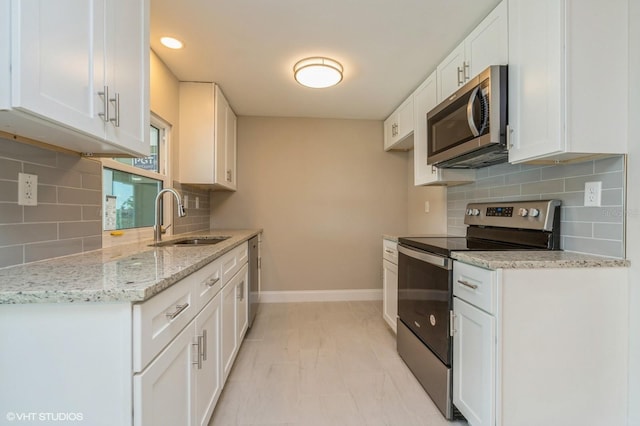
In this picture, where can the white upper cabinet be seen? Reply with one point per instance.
(425, 99)
(486, 45)
(399, 126)
(207, 137)
(75, 74)
(560, 52)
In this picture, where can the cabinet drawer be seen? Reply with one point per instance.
(233, 261)
(207, 283)
(475, 285)
(390, 251)
(158, 320)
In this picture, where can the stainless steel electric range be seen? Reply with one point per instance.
(425, 290)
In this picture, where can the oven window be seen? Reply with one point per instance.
(424, 302)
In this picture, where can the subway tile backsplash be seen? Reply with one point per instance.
(67, 219)
(593, 230)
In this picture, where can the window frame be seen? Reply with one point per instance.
(123, 236)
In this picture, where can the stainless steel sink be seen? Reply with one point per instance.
(191, 241)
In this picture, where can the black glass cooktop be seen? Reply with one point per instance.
(445, 245)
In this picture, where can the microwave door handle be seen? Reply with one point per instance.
(470, 119)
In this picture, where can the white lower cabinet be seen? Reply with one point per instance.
(164, 392)
(474, 357)
(209, 373)
(155, 363)
(234, 317)
(544, 346)
(390, 283)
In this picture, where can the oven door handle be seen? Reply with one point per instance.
(439, 261)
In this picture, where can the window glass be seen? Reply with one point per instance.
(129, 199)
(152, 162)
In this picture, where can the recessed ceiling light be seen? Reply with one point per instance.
(171, 43)
(318, 72)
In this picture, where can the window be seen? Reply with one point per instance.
(130, 185)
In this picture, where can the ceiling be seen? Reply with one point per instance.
(249, 47)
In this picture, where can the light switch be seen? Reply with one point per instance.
(426, 207)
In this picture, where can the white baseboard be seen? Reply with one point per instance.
(319, 296)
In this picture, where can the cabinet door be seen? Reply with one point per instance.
(425, 98)
(229, 325)
(127, 73)
(405, 118)
(209, 375)
(451, 73)
(231, 149)
(220, 129)
(474, 364)
(197, 116)
(57, 66)
(390, 293)
(164, 393)
(536, 83)
(390, 129)
(488, 43)
(242, 299)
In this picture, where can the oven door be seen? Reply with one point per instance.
(425, 297)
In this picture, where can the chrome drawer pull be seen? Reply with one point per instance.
(390, 251)
(198, 353)
(468, 284)
(179, 308)
(212, 281)
(204, 345)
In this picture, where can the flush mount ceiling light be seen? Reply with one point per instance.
(318, 72)
(171, 43)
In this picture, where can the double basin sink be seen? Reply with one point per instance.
(190, 242)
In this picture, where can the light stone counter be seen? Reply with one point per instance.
(127, 273)
(533, 259)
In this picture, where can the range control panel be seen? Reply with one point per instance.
(536, 214)
(500, 211)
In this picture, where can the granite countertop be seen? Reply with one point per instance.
(127, 273)
(532, 259)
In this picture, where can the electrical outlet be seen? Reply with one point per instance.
(197, 202)
(185, 201)
(593, 194)
(426, 207)
(27, 189)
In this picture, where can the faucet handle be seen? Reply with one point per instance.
(164, 230)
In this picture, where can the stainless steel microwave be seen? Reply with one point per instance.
(468, 129)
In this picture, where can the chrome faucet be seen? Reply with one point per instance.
(157, 229)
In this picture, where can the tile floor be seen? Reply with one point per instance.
(322, 364)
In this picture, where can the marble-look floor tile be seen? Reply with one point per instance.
(335, 363)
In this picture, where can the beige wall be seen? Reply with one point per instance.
(419, 221)
(324, 192)
(164, 100)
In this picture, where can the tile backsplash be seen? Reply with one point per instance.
(67, 219)
(594, 230)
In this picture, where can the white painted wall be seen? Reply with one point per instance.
(633, 216)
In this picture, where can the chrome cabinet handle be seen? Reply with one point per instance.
(229, 175)
(179, 309)
(460, 71)
(105, 104)
(465, 67)
(467, 284)
(198, 360)
(212, 281)
(204, 345)
(452, 317)
(241, 291)
(389, 251)
(116, 102)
